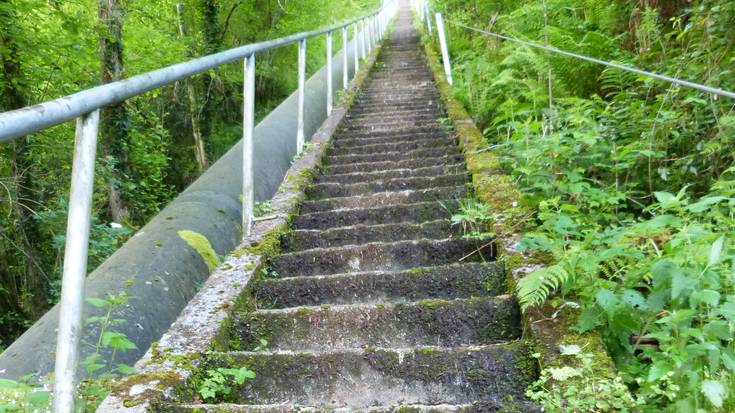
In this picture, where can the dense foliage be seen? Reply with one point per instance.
(147, 148)
(630, 179)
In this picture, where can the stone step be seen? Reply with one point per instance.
(381, 256)
(395, 156)
(372, 132)
(444, 323)
(481, 407)
(361, 108)
(470, 279)
(400, 114)
(333, 190)
(383, 377)
(356, 113)
(388, 214)
(442, 195)
(363, 234)
(358, 177)
(406, 145)
(396, 121)
(417, 163)
(395, 125)
(357, 139)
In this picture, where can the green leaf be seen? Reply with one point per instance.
(681, 283)
(718, 329)
(97, 302)
(126, 369)
(588, 319)
(658, 370)
(716, 251)
(117, 341)
(714, 391)
(664, 197)
(607, 300)
(564, 373)
(708, 297)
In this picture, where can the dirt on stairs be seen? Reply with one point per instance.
(376, 303)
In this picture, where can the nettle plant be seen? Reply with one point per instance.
(29, 395)
(662, 291)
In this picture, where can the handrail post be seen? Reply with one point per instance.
(443, 44)
(75, 262)
(302, 80)
(362, 38)
(369, 34)
(428, 17)
(356, 41)
(329, 73)
(248, 126)
(345, 68)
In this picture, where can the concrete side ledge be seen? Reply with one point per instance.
(548, 327)
(204, 322)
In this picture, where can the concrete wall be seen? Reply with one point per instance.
(155, 267)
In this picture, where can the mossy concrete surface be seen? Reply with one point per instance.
(364, 378)
(472, 279)
(547, 327)
(437, 322)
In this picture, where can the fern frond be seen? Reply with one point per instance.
(535, 288)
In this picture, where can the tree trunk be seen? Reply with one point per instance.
(114, 121)
(30, 292)
(199, 150)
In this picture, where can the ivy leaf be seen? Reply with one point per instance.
(714, 391)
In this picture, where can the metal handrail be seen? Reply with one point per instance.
(85, 107)
(21, 122)
(422, 7)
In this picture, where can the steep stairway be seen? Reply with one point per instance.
(376, 303)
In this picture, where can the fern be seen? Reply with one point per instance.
(535, 288)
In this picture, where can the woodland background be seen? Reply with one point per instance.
(151, 147)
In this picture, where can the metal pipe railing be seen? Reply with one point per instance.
(423, 8)
(85, 107)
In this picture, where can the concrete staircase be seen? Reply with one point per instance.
(376, 303)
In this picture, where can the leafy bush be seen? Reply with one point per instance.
(628, 179)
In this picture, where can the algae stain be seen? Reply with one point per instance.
(201, 244)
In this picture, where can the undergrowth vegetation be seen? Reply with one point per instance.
(630, 180)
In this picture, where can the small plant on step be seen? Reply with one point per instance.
(574, 387)
(261, 346)
(474, 217)
(217, 384)
(262, 208)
